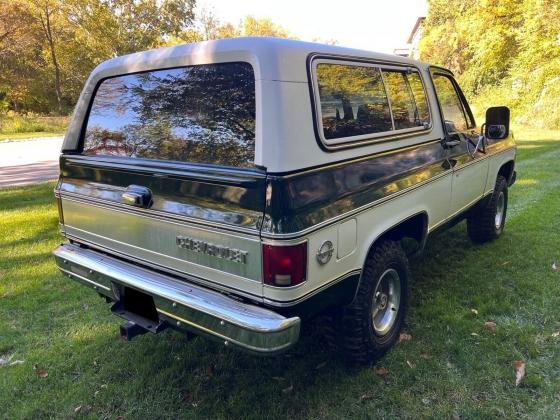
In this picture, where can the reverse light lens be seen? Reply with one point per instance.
(284, 265)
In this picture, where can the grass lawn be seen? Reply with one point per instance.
(74, 363)
(17, 127)
(31, 135)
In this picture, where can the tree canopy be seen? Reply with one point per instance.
(49, 47)
(502, 51)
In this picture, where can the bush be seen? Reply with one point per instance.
(13, 123)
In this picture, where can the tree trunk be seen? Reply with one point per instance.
(50, 39)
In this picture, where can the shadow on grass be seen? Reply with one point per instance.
(17, 198)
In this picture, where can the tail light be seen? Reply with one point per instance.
(284, 266)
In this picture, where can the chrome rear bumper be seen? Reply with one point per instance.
(185, 305)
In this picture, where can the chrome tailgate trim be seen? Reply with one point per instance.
(252, 328)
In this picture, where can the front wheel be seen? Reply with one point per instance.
(486, 223)
(370, 325)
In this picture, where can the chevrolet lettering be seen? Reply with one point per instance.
(218, 251)
(235, 189)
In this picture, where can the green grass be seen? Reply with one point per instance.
(16, 127)
(60, 327)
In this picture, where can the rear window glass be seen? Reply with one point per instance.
(198, 114)
(366, 100)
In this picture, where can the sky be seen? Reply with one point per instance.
(367, 24)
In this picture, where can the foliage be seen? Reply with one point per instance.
(12, 123)
(507, 50)
(49, 47)
(66, 359)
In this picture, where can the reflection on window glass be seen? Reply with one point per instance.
(198, 114)
(353, 101)
(419, 95)
(450, 104)
(406, 103)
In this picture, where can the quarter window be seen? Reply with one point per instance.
(197, 114)
(406, 103)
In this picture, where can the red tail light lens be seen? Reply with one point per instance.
(284, 266)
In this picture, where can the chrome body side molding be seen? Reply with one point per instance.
(249, 327)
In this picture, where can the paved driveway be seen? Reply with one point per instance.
(28, 162)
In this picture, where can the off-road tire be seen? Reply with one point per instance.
(350, 328)
(481, 222)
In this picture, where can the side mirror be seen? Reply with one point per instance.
(497, 122)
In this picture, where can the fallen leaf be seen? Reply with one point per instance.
(404, 336)
(555, 266)
(505, 263)
(120, 418)
(382, 371)
(556, 334)
(104, 386)
(41, 373)
(491, 325)
(426, 356)
(410, 365)
(288, 389)
(450, 365)
(367, 396)
(5, 360)
(321, 365)
(519, 371)
(474, 334)
(474, 311)
(77, 409)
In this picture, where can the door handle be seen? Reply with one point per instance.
(138, 196)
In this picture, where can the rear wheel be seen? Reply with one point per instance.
(370, 325)
(487, 222)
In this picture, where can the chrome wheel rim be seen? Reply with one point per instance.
(386, 301)
(500, 207)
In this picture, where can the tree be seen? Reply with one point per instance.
(503, 52)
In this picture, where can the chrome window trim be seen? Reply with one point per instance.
(364, 139)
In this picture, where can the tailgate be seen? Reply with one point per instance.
(163, 173)
(203, 224)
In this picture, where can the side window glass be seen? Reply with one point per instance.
(409, 106)
(353, 101)
(419, 96)
(450, 102)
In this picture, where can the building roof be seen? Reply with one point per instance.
(416, 28)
